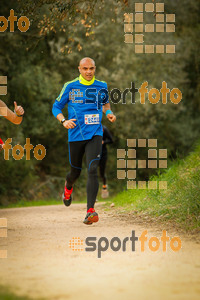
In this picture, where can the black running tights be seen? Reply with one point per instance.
(92, 149)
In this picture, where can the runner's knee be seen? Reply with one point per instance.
(92, 170)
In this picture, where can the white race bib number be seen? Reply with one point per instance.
(92, 119)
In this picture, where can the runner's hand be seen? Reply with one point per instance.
(69, 124)
(18, 109)
(111, 117)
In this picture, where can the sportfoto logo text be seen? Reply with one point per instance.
(115, 95)
(23, 23)
(18, 151)
(128, 243)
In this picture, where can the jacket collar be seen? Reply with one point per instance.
(86, 82)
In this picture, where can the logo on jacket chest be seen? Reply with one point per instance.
(75, 96)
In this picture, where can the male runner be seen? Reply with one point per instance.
(85, 97)
(14, 117)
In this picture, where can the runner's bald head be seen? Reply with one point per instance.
(87, 68)
(87, 60)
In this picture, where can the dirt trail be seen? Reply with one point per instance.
(41, 264)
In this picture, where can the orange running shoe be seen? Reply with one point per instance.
(67, 196)
(91, 217)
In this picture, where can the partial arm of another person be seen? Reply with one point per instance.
(15, 117)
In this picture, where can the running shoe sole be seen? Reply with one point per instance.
(66, 202)
(92, 218)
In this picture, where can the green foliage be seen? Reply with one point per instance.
(179, 202)
(16, 180)
(41, 60)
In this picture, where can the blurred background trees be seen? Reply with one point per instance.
(41, 60)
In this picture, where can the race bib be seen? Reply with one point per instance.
(92, 119)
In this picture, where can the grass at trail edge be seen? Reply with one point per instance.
(180, 202)
(40, 202)
(7, 294)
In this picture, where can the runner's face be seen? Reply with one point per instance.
(87, 69)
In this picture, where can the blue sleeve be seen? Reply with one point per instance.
(61, 101)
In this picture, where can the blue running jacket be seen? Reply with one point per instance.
(84, 100)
